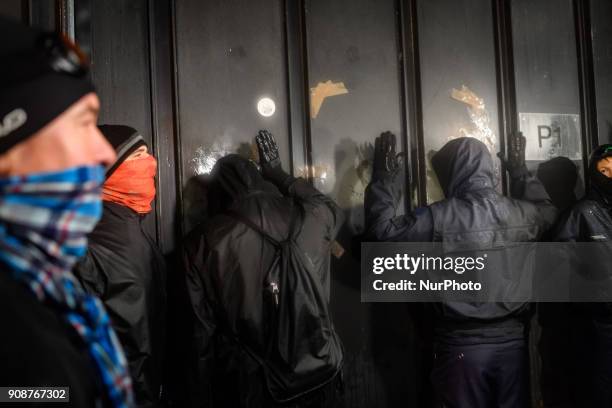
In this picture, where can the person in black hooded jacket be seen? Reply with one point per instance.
(480, 351)
(124, 266)
(590, 220)
(240, 310)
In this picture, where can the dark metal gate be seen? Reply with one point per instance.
(199, 78)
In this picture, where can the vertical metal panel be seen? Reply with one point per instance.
(584, 50)
(65, 17)
(545, 60)
(43, 14)
(13, 9)
(82, 25)
(418, 347)
(356, 43)
(353, 42)
(120, 63)
(163, 123)
(601, 16)
(297, 84)
(413, 109)
(506, 84)
(229, 55)
(457, 52)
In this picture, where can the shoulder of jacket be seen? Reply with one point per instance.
(585, 206)
(219, 227)
(583, 209)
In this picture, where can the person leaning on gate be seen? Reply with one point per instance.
(124, 267)
(51, 170)
(480, 358)
(590, 220)
(258, 277)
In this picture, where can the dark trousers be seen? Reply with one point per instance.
(250, 391)
(603, 366)
(481, 375)
(592, 382)
(328, 396)
(556, 383)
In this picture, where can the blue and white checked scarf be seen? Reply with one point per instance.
(44, 219)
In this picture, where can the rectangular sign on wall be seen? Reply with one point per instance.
(551, 135)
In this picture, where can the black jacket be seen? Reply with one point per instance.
(473, 209)
(226, 264)
(126, 270)
(40, 349)
(589, 220)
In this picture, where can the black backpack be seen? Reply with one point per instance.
(303, 351)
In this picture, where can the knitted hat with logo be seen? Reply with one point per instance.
(41, 75)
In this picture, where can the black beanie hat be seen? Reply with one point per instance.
(32, 92)
(124, 140)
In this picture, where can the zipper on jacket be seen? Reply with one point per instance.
(275, 292)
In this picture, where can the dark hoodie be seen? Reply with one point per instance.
(472, 210)
(590, 220)
(463, 165)
(559, 175)
(227, 264)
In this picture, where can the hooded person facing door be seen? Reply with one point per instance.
(590, 220)
(480, 351)
(258, 277)
(124, 266)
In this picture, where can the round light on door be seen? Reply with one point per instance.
(266, 107)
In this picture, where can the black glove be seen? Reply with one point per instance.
(386, 160)
(269, 159)
(515, 163)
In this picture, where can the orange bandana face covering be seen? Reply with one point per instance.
(132, 184)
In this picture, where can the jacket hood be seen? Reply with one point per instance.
(463, 164)
(559, 176)
(236, 177)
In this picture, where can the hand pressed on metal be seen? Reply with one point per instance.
(269, 157)
(386, 160)
(515, 162)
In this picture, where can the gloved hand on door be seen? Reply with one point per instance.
(269, 159)
(386, 160)
(515, 162)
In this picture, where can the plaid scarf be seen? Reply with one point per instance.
(44, 219)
